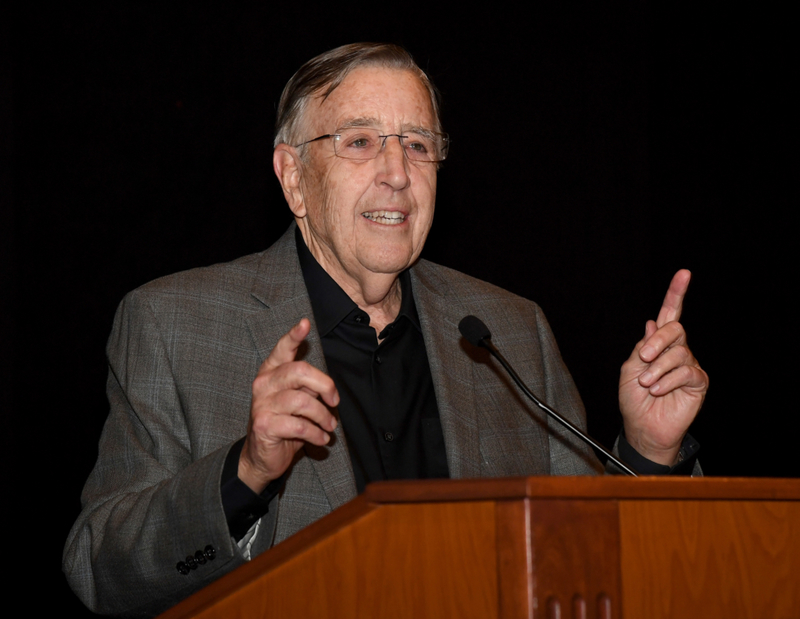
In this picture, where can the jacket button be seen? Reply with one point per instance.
(210, 552)
(182, 568)
(191, 563)
(200, 557)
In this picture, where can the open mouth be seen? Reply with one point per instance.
(389, 218)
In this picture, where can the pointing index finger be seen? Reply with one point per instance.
(673, 301)
(286, 348)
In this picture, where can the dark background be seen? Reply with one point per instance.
(597, 148)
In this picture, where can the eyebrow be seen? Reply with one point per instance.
(374, 123)
(420, 131)
(359, 122)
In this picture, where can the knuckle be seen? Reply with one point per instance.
(262, 423)
(299, 427)
(676, 329)
(298, 368)
(294, 400)
(699, 374)
(679, 376)
(293, 374)
(683, 354)
(301, 403)
(261, 383)
(260, 408)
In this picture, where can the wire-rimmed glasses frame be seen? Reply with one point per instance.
(364, 144)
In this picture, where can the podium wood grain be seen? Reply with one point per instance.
(534, 548)
(711, 558)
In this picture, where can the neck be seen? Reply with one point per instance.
(378, 294)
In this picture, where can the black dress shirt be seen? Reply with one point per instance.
(387, 403)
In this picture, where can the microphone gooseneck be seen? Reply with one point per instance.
(477, 333)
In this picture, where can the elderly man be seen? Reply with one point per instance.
(252, 398)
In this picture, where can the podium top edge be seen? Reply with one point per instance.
(608, 487)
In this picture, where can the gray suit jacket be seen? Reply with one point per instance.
(182, 354)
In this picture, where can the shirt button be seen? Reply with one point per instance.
(388, 436)
(378, 359)
(358, 319)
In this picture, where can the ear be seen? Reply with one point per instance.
(288, 168)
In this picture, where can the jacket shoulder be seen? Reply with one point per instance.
(203, 280)
(467, 289)
(270, 275)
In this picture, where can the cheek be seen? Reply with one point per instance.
(426, 200)
(426, 181)
(320, 196)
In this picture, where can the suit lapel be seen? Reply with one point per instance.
(280, 288)
(440, 311)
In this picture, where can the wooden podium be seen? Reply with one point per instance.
(537, 547)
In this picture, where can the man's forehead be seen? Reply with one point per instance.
(372, 97)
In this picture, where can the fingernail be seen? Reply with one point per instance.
(647, 377)
(334, 424)
(655, 388)
(648, 351)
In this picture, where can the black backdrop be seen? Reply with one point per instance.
(597, 148)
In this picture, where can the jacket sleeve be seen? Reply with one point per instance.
(153, 498)
(568, 454)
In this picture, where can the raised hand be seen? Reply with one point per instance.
(662, 386)
(285, 411)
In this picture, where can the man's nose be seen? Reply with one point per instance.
(395, 161)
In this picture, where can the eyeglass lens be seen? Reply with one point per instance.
(365, 143)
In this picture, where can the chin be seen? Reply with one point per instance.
(390, 262)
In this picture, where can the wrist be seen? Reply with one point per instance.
(667, 456)
(686, 461)
(251, 474)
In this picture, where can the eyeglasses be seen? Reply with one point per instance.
(363, 144)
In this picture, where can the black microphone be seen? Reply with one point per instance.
(477, 334)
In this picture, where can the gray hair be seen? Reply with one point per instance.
(327, 71)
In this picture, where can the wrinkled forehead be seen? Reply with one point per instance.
(387, 99)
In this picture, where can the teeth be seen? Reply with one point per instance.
(385, 217)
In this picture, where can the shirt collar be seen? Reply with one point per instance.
(330, 303)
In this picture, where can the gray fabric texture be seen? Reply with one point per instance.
(182, 355)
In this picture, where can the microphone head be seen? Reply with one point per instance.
(473, 329)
